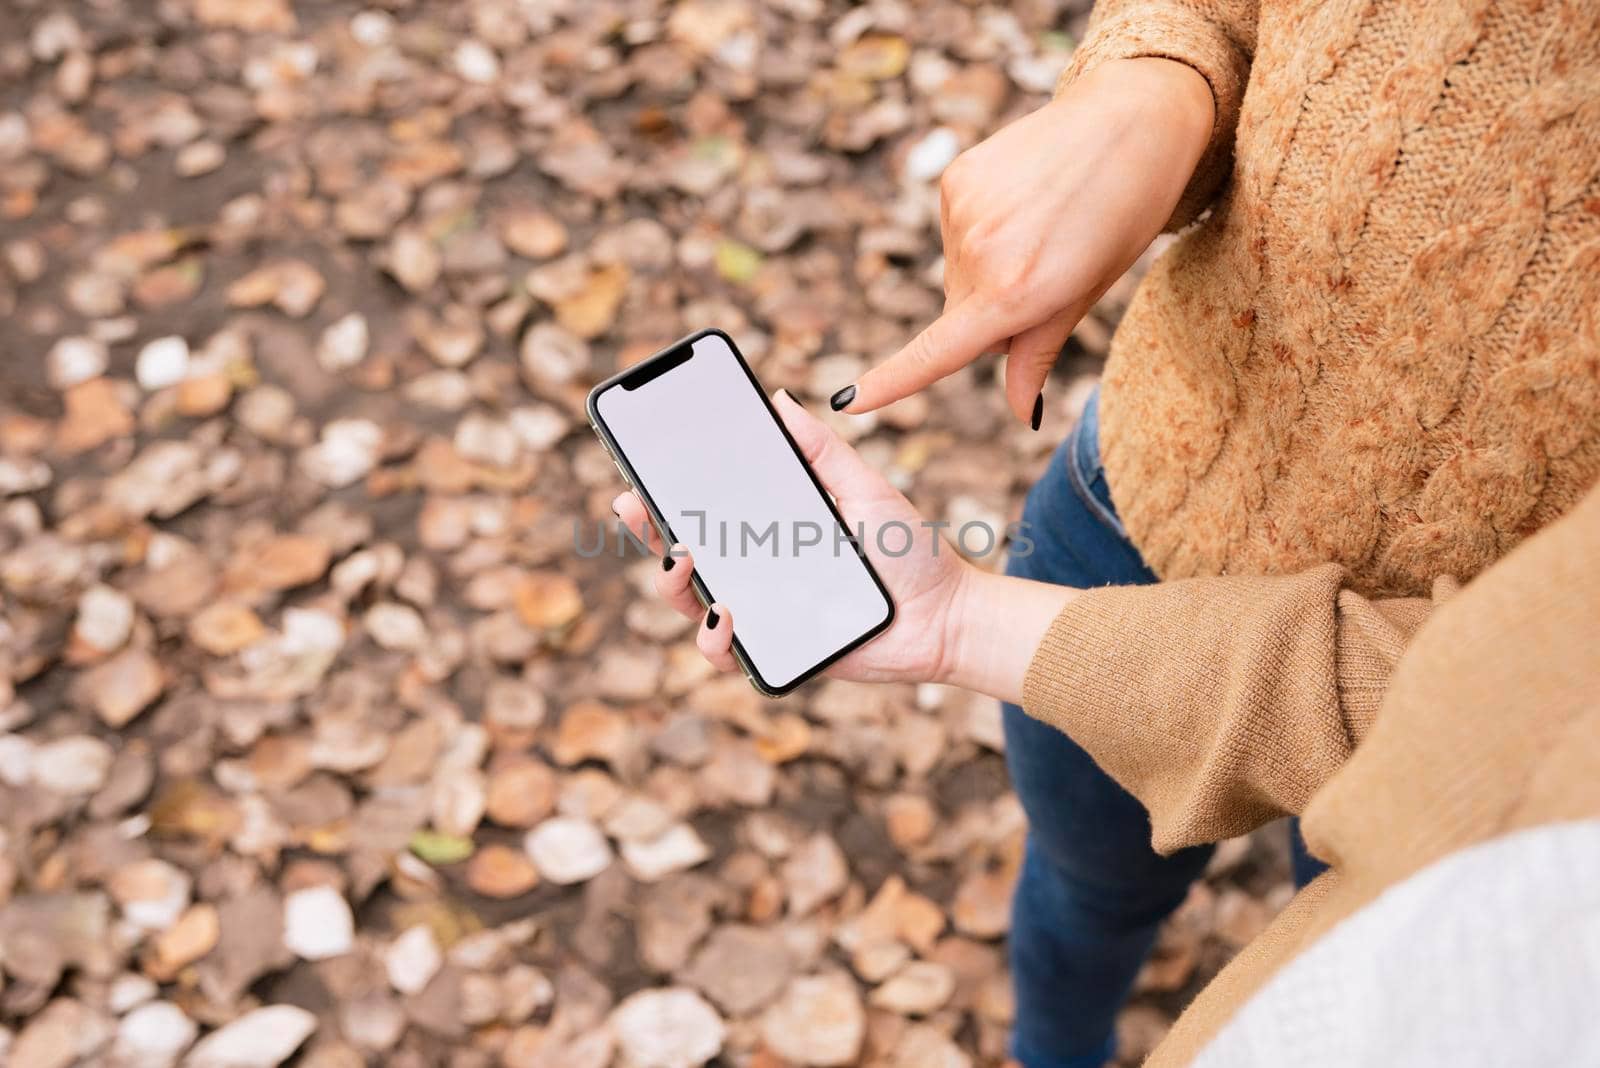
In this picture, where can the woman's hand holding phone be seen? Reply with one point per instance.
(1040, 219)
(924, 581)
(953, 622)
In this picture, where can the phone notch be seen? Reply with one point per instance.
(650, 370)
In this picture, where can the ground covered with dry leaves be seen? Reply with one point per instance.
(318, 743)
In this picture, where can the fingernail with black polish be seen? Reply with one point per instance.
(667, 561)
(711, 619)
(1038, 411)
(840, 400)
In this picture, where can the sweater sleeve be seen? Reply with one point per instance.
(1215, 37)
(1221, 703)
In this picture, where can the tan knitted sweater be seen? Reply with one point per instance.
(1491, 724)
(1382, 348)
(1369, 372)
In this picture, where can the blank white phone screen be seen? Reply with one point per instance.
(706, 449)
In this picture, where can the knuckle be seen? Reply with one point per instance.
(1012, 285)
(1038, 356)
(979, 248)
(954, 176)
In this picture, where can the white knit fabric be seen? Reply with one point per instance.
(1489, 958)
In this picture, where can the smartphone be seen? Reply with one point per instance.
(696, 437)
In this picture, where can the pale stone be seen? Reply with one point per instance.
(930, 156)
(151, 892)
(567, 850)
(348, 449)
(676, 849)
(396, 626)
(524, 990)
(16, 759)
(539, 427)
(414, 260)
(75, 359)
(924, 1046)
(76, 764)
(876, 960)
(476, 62)
(486, 440)
(412, 960)
(317, 923)
(163, 362)
(514, 705)
(202, 157)
(534, 234)
(671, 1028)
(263, 1038)
(638, 818)
(152, 1036)
(445, 389)
(372, 28)
(19, 475)
(266, 411)
(457, 800)
(917, 989)
(818, 1022)
(814, 874)
(55, 35)
(130, 990)
(344, 343)
(551, 356)
(105, 618)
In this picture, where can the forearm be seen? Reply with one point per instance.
(997, 624)
(1220, 703)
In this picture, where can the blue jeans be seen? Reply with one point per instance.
(1092, 893)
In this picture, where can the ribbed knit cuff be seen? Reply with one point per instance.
(1162, 31)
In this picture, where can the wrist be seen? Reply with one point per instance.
(994, 626)
(1164, 94)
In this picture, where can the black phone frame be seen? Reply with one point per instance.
(674, 355)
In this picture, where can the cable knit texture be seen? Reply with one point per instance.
(1371, 371)
(1382, 347)
(1373, 368)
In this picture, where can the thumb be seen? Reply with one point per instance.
(1033, 352)
(842, 470)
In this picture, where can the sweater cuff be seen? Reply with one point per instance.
(1190, 39)
(1214, 701)
(1372, 637)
